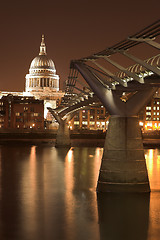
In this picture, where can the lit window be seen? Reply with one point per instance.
(154, 113)
(157, 113)
(76, 122)
(25, 108)
(148, 113)
(157, 119)
(17, 114)
(141, 123)
(157, 102)
(154, 108)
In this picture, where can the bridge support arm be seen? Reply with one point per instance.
(55, 115)
(109, 99)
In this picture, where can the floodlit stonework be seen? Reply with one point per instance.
(42, 82)
(42, 75)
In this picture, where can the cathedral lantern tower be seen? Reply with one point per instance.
(42, 77)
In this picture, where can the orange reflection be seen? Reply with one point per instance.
(98, 158)
(33, 167)
(80, 178)
(158, 163)
(99, 153)
(153, 165)
(68, 175)
(69, 156)
(29, 185)
(150, 161)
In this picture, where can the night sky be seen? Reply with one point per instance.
(73, 29)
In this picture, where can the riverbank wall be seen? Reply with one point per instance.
(79, 138)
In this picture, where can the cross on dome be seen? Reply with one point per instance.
(43, 47)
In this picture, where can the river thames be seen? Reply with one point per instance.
(48, 193)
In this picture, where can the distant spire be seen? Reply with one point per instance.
(42, 47)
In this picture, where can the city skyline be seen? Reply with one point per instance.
(71, 32)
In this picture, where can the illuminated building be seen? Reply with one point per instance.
(17, 112)
(42, 74)
(150, 115)
(42, 82)
(93, 119)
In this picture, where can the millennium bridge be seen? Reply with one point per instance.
(123, 91)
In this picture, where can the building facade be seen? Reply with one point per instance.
(150, 115)
(18, 112)
(94, 118)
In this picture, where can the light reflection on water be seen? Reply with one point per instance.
(153, 165)
(152, 157)
(48, 193)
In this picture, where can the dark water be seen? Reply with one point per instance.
(48, 193)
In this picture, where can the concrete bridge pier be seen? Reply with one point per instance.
(63, 135)
(123, 167)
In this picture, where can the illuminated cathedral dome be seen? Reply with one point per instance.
(42, 72)
(42, 61)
